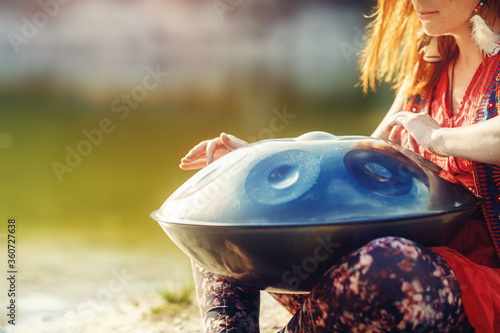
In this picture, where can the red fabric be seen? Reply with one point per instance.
(440, 111)
(471, 254)
(480, 286)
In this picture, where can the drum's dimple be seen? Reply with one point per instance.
(378, 172)
(282, 177)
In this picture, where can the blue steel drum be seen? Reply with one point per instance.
(277, 214)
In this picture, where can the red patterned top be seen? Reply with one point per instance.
(440, 110)
(474, 240)
(471, 254)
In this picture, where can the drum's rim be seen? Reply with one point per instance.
(162, 220)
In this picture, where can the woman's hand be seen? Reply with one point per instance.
(208, 151)
(421, 130)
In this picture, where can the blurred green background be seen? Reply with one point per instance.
(66, 67)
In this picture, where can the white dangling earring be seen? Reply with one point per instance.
(431, 53)
(487, 40)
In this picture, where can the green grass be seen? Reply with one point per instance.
(176, 301)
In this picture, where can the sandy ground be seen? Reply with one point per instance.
(135, 316)
(74, 289)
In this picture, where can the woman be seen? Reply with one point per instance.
(442, 57)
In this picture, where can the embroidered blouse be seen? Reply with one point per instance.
(471, 254)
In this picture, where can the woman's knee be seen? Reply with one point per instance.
(401, 259)
(393, 281)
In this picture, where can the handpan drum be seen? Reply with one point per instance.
(277, 214)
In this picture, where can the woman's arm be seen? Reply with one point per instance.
(479, 142)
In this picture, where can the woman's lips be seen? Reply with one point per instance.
(426, 15)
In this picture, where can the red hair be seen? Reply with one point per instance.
(394, 49)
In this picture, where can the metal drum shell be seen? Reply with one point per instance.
(290, 259)
(285, 237)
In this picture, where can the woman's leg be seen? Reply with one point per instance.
(226, 306)
(291, 302)
(389, 285)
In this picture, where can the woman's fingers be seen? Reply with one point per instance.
(413, 144)
(192, 165)
(195, 158)
(197, 150)
(394, 129)
(208, 147)
(209, 153)
(231, 141)
(397, 123)
(395, 132)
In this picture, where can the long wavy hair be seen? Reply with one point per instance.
(394, 48)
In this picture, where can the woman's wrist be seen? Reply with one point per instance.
(438, 143)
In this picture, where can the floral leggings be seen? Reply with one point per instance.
(389, 285)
